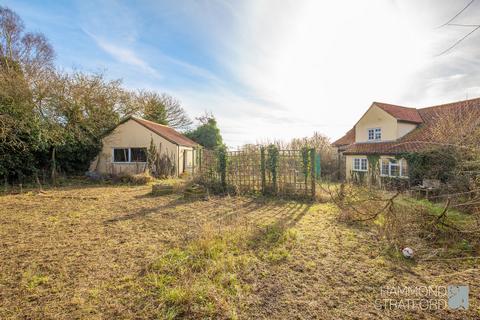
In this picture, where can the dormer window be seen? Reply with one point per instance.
(374, 134)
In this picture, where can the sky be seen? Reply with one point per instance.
(270, 69)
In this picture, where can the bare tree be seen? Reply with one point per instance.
(86, 101)
(459, 128)
(160, 108)
(26, 58)
(31, 50)
(176, 115)
(322, 145)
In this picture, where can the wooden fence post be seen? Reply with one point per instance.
(313, 171)
(262, 168)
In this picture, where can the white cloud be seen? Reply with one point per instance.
(291, 68)
(321, 63)
(325, 61)
(123, 55)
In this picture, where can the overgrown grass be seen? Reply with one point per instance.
(203, 279)
(115, 252)
(450, 236)
(274, 243)
(199, 280)
(457, 217)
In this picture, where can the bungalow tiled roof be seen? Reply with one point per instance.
(166, 132)
(420, 138)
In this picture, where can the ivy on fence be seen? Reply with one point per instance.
(262, 169)
(268, 170)
(222, 166)
(272, 166)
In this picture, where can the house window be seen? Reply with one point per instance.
(360, 164)
(121, 155)
(375, 134)
(394, 168)
(138, 154)
(129, 155)
(384, 167)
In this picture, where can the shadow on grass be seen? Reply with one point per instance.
(259, 211)
(286, 216)
(145, 212)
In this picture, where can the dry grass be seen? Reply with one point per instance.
(102, 252)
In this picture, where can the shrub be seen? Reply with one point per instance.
(136, 179)
(141, 178)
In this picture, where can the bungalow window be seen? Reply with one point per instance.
(394, 168)
(121, 155)
(360, 164)
(138, 154)
(129, 155)
(375, 134)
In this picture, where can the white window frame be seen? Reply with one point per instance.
(401, 164)
(362, 162)
(129, 155)
(376, 134)
(113, 155)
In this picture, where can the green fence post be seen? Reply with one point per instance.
(272, 166)
(222, 163)
(306, 169)
(312, 171)
(262, 168)
(318, 166)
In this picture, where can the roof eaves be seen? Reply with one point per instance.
(122, 121)
(139, 121)
(156, 132)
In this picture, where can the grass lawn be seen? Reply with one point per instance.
(115, 252)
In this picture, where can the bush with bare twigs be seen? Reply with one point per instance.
(431, 229)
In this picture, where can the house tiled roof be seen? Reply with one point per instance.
(166, 132)
(388, 148)
(421, 138)
(401, 113)
(347, 139)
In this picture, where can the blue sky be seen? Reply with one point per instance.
(269, 69)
